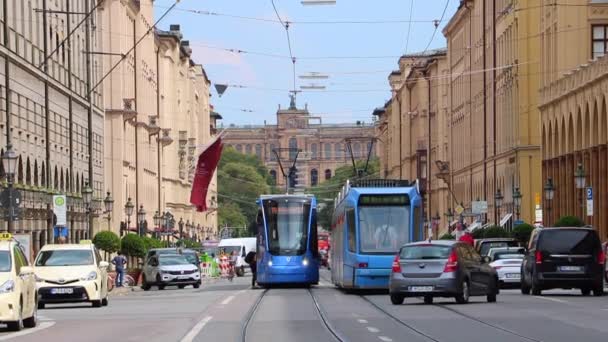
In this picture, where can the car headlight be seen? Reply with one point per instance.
(8, 286)
(38, 279)
(90, 276)
(164, 272)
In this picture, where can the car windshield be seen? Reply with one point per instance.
(65, 257)
(5, 261)
(287, 225)
(170, 260)
(228, 250)
(382, 229)
(425, 252)
(502, 256)
(191, 257)
(569, 241)
(487, 245)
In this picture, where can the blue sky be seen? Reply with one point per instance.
(356, 85)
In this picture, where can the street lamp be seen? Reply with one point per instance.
(549, 194)
(157, 220)
(109, 204)
(9, 161)
(129, 211)
(181, 228)
(141, 217)
(87, 197)
(517, 201)
(580, 179)
(498, 198)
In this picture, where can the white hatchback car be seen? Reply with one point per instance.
(507, 263)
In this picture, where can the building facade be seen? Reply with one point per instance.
(51, 112)
(158, 120)
(324, 147)
(494, 73)
(573, 110)
(414, 127)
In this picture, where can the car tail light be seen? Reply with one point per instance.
(362, 265)
(539, 257)
(601, 257)
(497, 267)
(396, 265)
(452, 263)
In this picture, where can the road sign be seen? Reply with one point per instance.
(459, 210)
(589, 201)
(60, 209)
(479, 207)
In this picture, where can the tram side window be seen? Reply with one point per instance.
(314, 242)
(417, 222)
(351, 223)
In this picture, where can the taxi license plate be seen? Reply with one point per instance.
(571, 268)
(421, 288)
(513, 275)
(61, 290)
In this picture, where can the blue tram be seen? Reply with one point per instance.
(372, 219)
(287, 246)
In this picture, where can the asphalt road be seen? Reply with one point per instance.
(220, 310)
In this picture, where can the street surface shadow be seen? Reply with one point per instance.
(61, 307)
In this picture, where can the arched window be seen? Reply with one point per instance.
(273, 176)
(248, 149)
(293, 144)
(314, 177)
(36, 173)
(239, 148)
(357, 151)
(327, 151)
(273, 157)
(327, 174)
(338, 151)
(370, 150)
(313, 151)
(43, 175)
(258, 150)
(28, 172)
(20, 171)
(61, 181)
(56, 179)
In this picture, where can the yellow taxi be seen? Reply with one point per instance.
(17, 286)
(71, 273)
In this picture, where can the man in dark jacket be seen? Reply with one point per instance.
(251, 260)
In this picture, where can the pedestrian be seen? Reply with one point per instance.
(251, 260)
(119, 262)
(467, 238)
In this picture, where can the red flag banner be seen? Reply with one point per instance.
(205, 167)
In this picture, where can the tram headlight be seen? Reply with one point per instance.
(305, 262)
(269, 262)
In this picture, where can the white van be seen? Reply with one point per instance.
(242, 246)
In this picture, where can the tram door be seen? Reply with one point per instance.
(261, 238)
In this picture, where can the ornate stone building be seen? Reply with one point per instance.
(51, 112)
(573, 109)
(158, 119)
(324, 146)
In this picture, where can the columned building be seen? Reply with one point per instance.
(573, 109)
(324, 147)
(51, 112)
(158, 120)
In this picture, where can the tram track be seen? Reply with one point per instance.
(324, 319)
(250, 315)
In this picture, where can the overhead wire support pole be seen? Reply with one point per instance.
(87, 15)
(134, 46)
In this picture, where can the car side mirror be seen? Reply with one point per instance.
(486, 260)
(26, 270)
(104, 264)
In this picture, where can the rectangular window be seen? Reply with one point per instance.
(352, 228)
(599, 40)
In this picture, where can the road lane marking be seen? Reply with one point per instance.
(362, 321)
(227, 300)
(373, 330)
(42, 326)
(385, 339)
(552, 299)
(196, 329)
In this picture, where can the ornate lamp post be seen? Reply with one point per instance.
(181, 228)
(549, 190)
(9, 161)
(87, 197)
(580, 178)
(129, 211)
(158, 218)
(498, 198)
(109, 204)
(517, 201)
(141, 218)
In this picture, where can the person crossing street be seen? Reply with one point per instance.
(251, 260)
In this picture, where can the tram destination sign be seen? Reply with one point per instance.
(384, 200)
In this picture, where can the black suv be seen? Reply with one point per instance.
(563, 258)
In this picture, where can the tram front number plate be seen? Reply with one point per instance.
(421, 288)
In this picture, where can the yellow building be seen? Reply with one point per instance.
(494, 68)
(573, 109)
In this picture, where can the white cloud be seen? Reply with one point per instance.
(234, 68)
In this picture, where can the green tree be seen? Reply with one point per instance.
(107, 241)
(230, 215)
(150, 243)
(495, 232)
(522, 233)
(479, 233)
(133, 245)
(447, 236)
(569, 221)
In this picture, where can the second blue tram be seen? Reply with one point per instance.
(287, 251)
(371, 221)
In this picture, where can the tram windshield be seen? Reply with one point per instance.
(383, 229)
(287, 225)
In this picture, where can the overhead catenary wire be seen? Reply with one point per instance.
(409, 27)
(285, 25)
(436, 23)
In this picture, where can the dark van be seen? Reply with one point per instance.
(563, 258)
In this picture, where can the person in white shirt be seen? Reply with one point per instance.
(385, 237)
